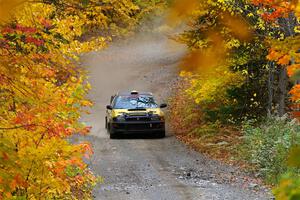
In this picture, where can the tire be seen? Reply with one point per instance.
(113, 136)
(161, 134)
(106, 123)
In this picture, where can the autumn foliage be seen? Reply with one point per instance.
(235, 40)
(42, 92)
(243, 67)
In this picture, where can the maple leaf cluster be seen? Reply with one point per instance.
(274, 9)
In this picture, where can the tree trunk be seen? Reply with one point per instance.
(288, 24)
(283, 80)
(270, 87)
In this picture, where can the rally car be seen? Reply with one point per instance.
(134, 112)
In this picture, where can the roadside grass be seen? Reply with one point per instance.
(260, 148)
(267, 146)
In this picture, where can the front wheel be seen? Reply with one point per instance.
(113, 136)
(161, 134)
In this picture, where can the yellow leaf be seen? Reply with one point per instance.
(7, 7)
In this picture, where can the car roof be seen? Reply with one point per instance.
(130, 93)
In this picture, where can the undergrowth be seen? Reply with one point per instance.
(261, 147)
(189, 125)
(267, 146)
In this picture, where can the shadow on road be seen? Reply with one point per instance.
(140, 136)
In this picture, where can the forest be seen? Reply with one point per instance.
(237, 99)
(239, 96)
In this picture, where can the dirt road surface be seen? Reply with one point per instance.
(140, 168)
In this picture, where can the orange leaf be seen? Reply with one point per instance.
(285, 60)
(273, 55)
(13, 184)
(291, 69)
(5, 156)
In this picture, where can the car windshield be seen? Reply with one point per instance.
(134, 102)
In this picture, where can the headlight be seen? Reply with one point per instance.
(119, 118)
(157, 118)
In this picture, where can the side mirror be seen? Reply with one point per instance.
(112, 98)
(109, 107)
(163, 105)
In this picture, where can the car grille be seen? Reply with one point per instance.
(143, 126)
(138, 118)
(138, 126)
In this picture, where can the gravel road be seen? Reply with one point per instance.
(147, 168)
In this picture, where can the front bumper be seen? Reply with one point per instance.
(138, 127)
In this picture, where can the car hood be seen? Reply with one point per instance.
(156, 111)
